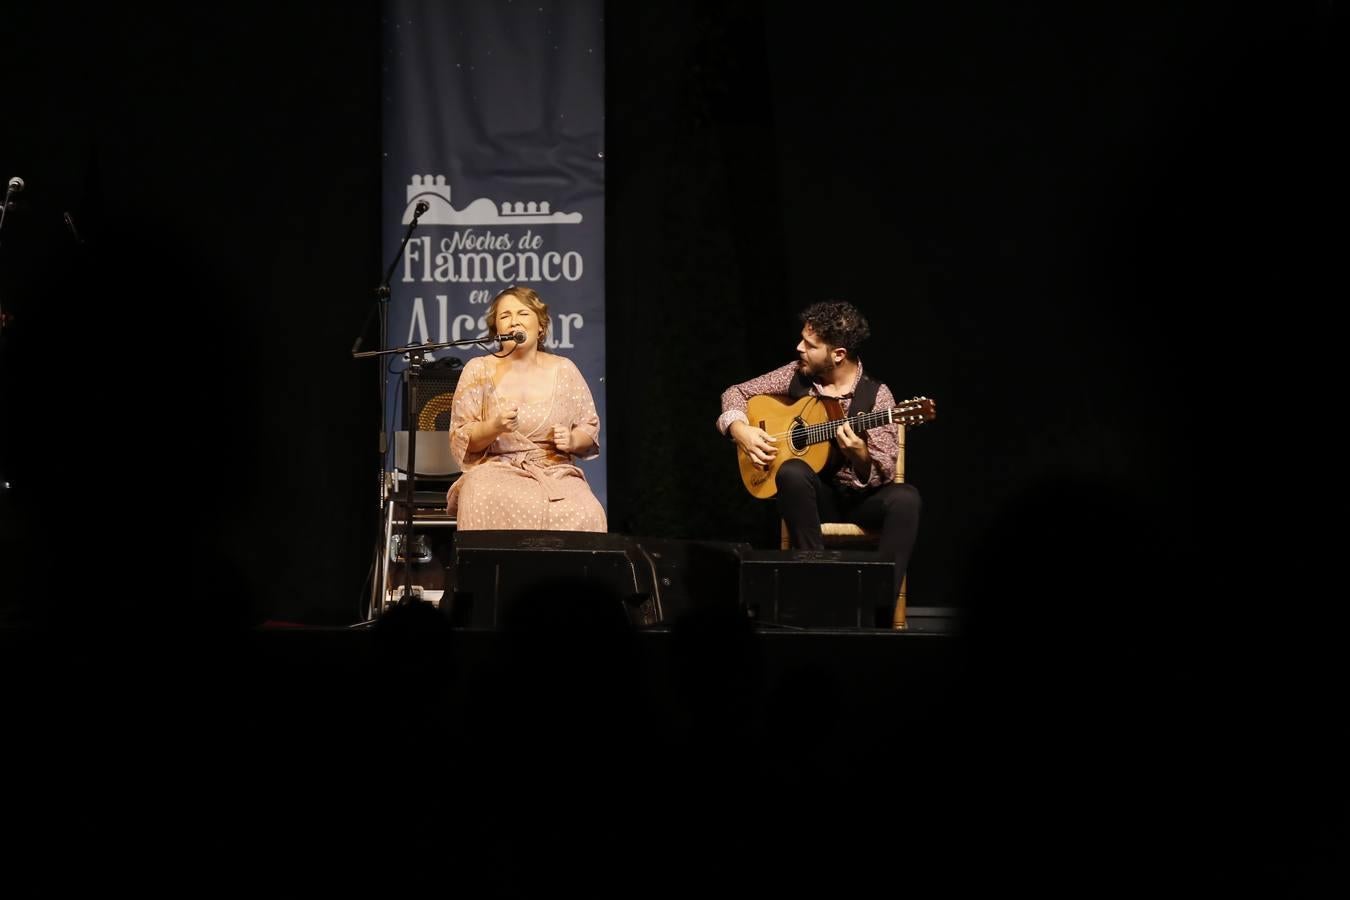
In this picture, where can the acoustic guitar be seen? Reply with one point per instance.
(805, 429)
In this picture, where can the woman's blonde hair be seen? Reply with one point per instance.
(532, 302)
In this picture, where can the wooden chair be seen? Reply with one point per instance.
(847, 535)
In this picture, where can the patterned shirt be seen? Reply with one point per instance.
(882, 442)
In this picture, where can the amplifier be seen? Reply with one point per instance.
(818, 588)
(658, 580)
(494, 569)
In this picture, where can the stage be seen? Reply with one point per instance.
(573, 746)
(560, 743)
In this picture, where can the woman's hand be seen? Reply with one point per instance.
(505, 419)
(562, 439)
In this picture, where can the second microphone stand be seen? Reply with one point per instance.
(416, 354)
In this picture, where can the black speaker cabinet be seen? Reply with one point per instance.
(692, 576)
(494, 569)
(818, 588)
(657, 579)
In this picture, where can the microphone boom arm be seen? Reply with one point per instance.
(432, 345)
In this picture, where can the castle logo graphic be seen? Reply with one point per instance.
(480, 212)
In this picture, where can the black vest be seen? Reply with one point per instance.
(864, 395)
(864, 398)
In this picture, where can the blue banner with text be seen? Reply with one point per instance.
(494, 116)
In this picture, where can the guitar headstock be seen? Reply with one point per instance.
(915, 411)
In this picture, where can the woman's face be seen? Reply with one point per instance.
(513, 316)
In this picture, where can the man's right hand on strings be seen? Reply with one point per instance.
(755, 443)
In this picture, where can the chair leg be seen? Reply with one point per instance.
(898, 623)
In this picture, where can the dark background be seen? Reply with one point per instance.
(1095, 235)
(1103, 238)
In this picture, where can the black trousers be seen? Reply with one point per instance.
(805, 499)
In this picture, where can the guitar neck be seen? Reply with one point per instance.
(862, 422)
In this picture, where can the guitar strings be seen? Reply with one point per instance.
(821, 430)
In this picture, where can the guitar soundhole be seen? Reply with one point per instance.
(797, 436)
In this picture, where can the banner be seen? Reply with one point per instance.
(494, 115)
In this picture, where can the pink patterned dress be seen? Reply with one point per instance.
(520, 481)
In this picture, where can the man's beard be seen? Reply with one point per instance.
(805, 368)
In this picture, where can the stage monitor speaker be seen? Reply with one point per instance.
(694, 576)
(494, 570)
(934, 619)
(658, 579)
(818, 588)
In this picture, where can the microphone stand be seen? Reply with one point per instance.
(381, 306)
(416, 354)
(15, 186)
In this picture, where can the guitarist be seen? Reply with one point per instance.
(855, 485)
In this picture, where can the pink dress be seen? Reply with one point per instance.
(520, 481)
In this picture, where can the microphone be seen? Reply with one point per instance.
(70, 225)
(517, 336)
(15, 187)
(422, 206)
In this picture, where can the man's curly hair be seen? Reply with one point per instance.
(839, 324)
